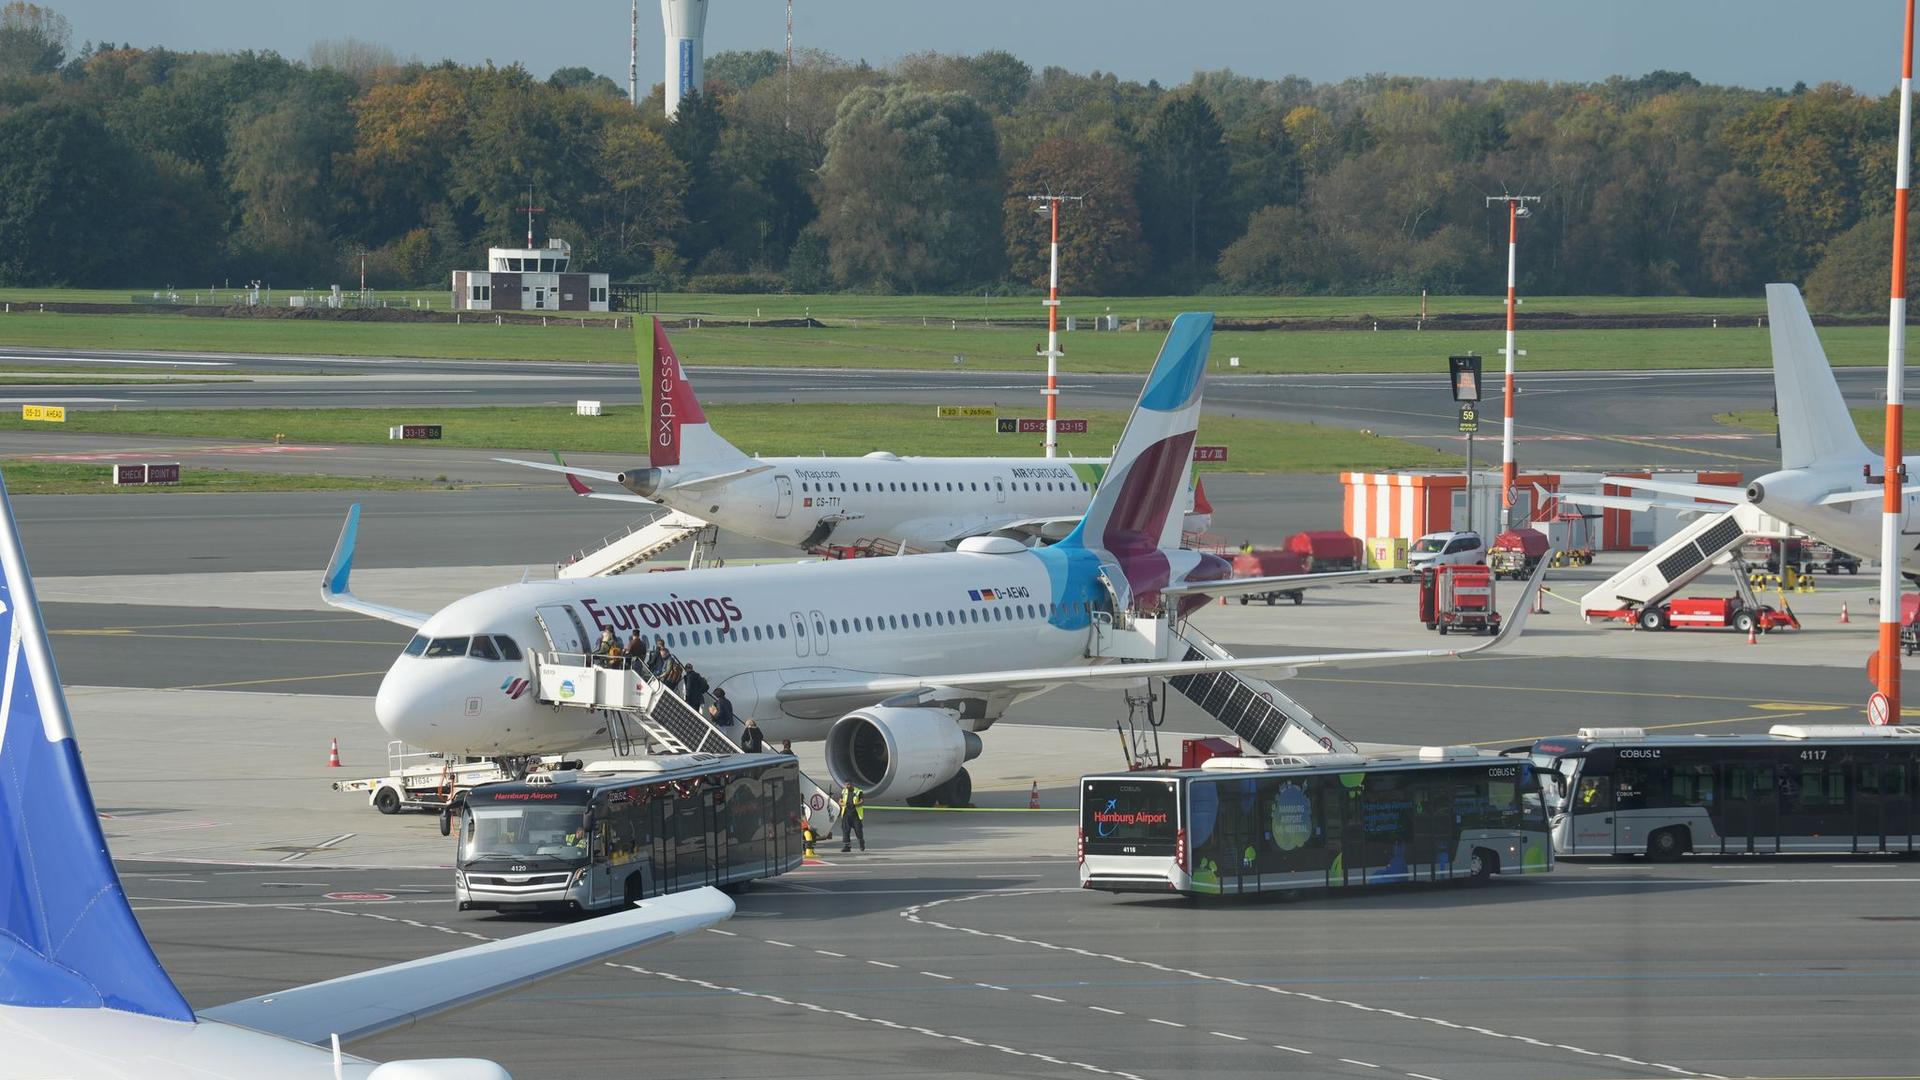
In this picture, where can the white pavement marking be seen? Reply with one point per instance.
(824, 952)
(1063, 1001)
(882, 963)
(723, 933)
(1104, 1009)
(1362, 1064)
(914, 914)
(1224, 1035)
(1169, 1023)
(782, 944)
(740, 992)
(1292, 1049)
(937, 975)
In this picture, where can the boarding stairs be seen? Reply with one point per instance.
(645, 714)
(1706, 542)
(638, 543)
(1252, 708)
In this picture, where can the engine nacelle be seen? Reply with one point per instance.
(900, 752)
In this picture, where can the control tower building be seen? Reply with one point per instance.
(685, 22)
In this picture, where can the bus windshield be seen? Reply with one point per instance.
(545, 831)
(1130, 817)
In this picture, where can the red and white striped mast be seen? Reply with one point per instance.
(1516, 209)
(1053, 354)
(1894, 480)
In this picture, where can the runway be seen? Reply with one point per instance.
(1566, 420)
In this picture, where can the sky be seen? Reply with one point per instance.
(1754, 43)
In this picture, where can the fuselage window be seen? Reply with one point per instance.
(819, 627)
(417, 646)
(893, 623)
(976, 614)
(446, 646)
(803, 485)
(783, 629)
(869, 622)
(483, 649)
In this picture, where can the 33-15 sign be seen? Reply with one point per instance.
(1027, 425)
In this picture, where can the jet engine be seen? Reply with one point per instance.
(903, 752)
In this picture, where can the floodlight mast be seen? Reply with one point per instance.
(1516, 209)
(1893, 482)
(1052, 392)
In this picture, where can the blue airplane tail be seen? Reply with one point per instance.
(68, 938)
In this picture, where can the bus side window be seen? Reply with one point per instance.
(1629, 788)
(1594, 793)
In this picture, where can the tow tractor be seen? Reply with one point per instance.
(422, 780)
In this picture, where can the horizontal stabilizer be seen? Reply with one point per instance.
(569, 470)
(1862, 496)
(357, 1006)
(1709, 492)
(336, 591)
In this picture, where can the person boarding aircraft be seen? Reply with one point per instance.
(82, 994)
(920, 503)
(899, 664)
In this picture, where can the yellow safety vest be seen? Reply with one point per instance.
(851, 803)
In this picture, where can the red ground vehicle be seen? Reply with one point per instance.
(1910, 622)
(1327, 550)
(1516, 552)
(1705, 612)
(1458, 596)
(1270, 564)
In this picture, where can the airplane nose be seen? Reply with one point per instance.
(403, 704)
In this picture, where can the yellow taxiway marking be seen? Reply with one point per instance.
(1787, 706)
(93, 633)
(266, 682)
(1811, 705)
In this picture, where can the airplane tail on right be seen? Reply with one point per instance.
(1815, 425)
(678, 433)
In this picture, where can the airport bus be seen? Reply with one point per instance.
(1618, 791)
(616, 832)
(1263, 824)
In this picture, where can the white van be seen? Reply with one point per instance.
(1435, 549)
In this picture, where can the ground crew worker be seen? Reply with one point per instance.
(751, 738)
(806, 836)
(853, 813)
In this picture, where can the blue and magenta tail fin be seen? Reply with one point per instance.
(67, 936)
(1140, 501)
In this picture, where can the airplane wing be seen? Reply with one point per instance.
(1709, 492)
(371, 1002)
(336, 592)
(882, 687)
(1627, 502)
(570, 470)
(1276, 582)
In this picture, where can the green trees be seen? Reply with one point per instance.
(1100, 247)
(33, 39)
(1184, 166)
(910, 191)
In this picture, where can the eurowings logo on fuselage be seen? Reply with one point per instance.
(717, 611)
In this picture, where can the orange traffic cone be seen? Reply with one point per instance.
(1223, 601)
(333, 753)
(1844, 620)
(1752, 636)
(1033, 797)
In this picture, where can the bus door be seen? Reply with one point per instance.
(1881, 803)
(1591, 805)
(692, 824)
(718, 835)
(660, 814)
(600, 869)
(1754, 783)
(1238, 835)
(1343, 823)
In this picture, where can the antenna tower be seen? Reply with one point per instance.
(789, 88)
(633, 59)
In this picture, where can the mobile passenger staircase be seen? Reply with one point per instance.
(646, 716)
(639, 543)
(1708, 541)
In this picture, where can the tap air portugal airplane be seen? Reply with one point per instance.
(81, 992)
(1820, 487)
(899, 664)
(922, 503)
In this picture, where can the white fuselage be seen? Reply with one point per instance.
(924, 503)
(750, 631)
(107, 1043)
(1793, 496)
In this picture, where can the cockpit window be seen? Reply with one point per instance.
(483, 649)
(508, 650)
(447, 646)
(417, 646)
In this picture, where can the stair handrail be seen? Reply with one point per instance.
(614, 537)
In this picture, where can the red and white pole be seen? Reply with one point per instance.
(1507, 467)
(1894, 481)
(1053, 330)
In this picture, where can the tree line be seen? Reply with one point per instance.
(122, 164)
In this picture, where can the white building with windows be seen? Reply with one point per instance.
(529, 279)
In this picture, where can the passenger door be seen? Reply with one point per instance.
(565, 632)
(822, 634)
(782, 496)
(799, 625)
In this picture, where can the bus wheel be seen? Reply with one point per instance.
(735, 888)
(633, 889)
(1482, 864)
(387, 801)
(1665, 845)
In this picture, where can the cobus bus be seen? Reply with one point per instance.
(1618, 791)
(1250, 824)
(621, 831)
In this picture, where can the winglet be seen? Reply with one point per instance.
(335, 587)
(68, 938)
(573, 481)
(1515, 623)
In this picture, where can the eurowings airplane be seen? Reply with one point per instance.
(1820, 487)
(898, 663)
(82, 994)
(923, 503)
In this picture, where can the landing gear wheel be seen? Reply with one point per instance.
(1652, 618)
(923, 800)
(387, 801)
(960, 789)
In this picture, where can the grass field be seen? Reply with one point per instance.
(73, 478)
(853, 306)
(1255, 445)
(911, 347)
(1871, 422)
